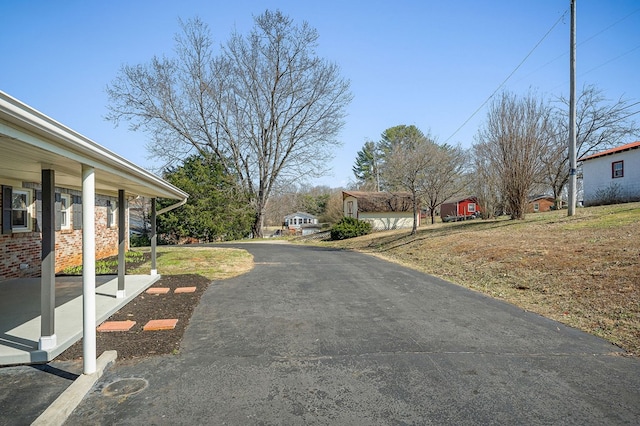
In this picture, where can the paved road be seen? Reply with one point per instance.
(317, 336)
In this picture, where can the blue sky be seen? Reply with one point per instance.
(422, 62)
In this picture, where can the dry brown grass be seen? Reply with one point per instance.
(583, 271)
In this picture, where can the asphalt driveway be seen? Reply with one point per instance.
(318, 336)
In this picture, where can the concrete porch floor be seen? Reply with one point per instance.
(20, 313)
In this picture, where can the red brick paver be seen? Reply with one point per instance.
(158, 290)
(109, 326)
(185, 290)
(162, 324)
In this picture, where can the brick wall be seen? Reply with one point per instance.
(21, 248)
(106, 238)
(24, 248)
(69, 242)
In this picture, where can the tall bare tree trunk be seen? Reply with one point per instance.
(258, 224)
(512, 144)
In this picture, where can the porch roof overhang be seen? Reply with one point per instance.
(31, 141)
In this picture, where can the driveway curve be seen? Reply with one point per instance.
(320, 336)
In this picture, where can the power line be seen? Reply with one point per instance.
(612, 59)
(580, 44)
(508, 77)
(609, 27)
(602, 64)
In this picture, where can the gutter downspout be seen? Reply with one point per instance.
(154, 215)
(172, 207)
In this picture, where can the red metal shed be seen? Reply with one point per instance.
(460, 208)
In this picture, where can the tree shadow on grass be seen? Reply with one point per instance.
(399, 240)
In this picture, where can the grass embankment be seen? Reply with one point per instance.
(583, 271)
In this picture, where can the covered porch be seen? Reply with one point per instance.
(41, 317)
(20, 315)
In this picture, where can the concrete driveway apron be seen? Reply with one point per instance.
(321, 336)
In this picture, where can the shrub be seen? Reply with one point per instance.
(349, 227)
(139, 240)
(612, 194)
(107, 266)
(134, 256)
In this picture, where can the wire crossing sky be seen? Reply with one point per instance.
(416, 62)
(508, 77)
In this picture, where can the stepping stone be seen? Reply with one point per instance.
(163, 324)
(109, 326)
(157, 290)
(185, 290)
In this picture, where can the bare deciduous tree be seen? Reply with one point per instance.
(512, 143)
(600, 124)
(335, 208)
(404, 166)
(554, 174)
(443, 176)
(414, 162)
(281, 203)
(266, 105)
(486, 183)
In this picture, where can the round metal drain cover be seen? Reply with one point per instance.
(125, 387)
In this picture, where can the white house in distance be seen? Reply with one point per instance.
(612, 176)
(302, 223)
(64, 202)
(384, 210)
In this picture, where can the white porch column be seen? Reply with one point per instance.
(122, 241)
(154, 238)
(89, 269)
(48, 339)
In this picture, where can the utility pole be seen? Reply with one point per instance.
(572, 114)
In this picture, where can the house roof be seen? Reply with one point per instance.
(541, 197)
(458, 199)
(299, 214)
(381, 202)
(31, 141)
(627, 147)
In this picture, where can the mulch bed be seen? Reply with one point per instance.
(137, 343)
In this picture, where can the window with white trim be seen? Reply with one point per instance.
(536, 207)
(20, 213)
(471, 208)
(617, 169)
(112, 210)
(65, 211)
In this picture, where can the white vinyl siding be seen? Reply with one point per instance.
(599, 175)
